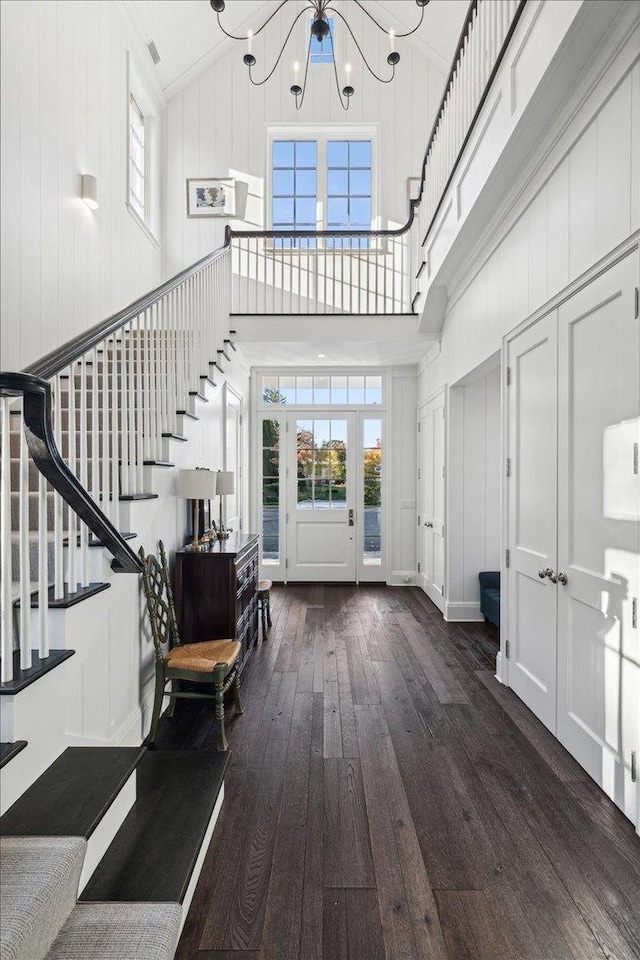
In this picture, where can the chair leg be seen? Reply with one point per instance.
(263, 617)
(219, 690)
(236, 695)
(268, 610)
(175, 686)
(157, 704)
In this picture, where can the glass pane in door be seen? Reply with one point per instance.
(372, 471)
(321, 464)
(271, 491)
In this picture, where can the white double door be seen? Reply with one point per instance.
(431, 505)
(574, 527)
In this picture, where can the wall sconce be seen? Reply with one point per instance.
(225, 485)
(197, 485)
(89, 191)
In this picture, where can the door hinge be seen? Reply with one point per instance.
(635, 459)
(636, 312)
(442, 589)
(418, 519)
(443, 471)
(634, 613)
(506, 649)
(508, 376)
(286, 518)
(286, 426)
(507, 558)
(418, 566)
(286, 564)
(287, 472)
(634, 766)
(418, 474)
(508, 466)
(419, 427)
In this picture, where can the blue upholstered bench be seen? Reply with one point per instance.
(490, 595)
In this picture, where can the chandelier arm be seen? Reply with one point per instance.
(380, 27)
(306, 74)
(364, 59)
(335, 71)
(259, 83)
(233, 37)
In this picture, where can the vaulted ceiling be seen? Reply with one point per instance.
(188, 38)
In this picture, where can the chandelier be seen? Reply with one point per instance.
(320, 32)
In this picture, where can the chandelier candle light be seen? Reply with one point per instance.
(321, 29)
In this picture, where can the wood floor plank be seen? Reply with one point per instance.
(312, 900)
(364, 931)
(444, 821)
(458, 935)
(386, 797)
(334, 925)
(347, 848)
(284, 902)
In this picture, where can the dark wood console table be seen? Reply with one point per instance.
(216, 592)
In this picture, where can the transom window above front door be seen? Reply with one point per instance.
(321, 183)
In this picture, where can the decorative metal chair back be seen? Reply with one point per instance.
(159, 597)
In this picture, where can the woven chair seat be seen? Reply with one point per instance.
(264, 585)
(203, 657)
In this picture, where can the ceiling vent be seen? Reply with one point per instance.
(153, 51)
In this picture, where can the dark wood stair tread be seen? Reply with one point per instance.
(67, 599)
(9, 750)
(38, 668)
(154, 853)
(70, 798)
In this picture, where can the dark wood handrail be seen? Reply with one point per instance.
(278, 234)
(36, 414)
(56, 361)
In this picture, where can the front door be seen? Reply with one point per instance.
(599, 531)
(321, 497)
(431, 530)
(531, 491)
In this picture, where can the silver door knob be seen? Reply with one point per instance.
(428, 523)
(562, 578)
(547, 572)
(553, 577)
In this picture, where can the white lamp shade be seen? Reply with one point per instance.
(90, 191)
(197, 484)
(225, 484)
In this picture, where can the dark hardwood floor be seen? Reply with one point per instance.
(387, 798)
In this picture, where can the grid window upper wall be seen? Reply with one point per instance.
(295, 189)
(322, 390)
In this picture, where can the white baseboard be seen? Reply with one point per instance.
(459, 612)
(402, 578)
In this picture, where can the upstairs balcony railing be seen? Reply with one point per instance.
(377, 272)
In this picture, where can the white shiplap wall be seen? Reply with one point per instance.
(474, 493)
(64, 113)
(586, 200)
(216, 126)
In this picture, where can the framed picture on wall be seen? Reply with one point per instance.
(211, 197)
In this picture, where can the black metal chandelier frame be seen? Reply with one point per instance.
(320, 30)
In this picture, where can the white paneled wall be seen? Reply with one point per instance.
(217, 127)
(473, 513)
(586, 201)
(64, 113)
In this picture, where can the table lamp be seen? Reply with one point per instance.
(197, 485)
(224, 486)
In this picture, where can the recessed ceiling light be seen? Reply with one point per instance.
(322, 354)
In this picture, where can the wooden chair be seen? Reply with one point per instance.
(264, 604)
(211, 662)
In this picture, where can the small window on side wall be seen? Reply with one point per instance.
(143, 155)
